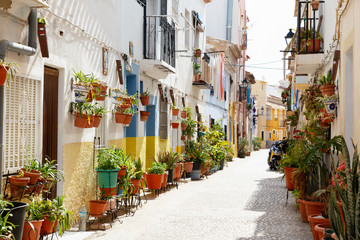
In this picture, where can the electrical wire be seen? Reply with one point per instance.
(249, 66)
(266, 63)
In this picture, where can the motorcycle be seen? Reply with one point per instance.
(277, 150)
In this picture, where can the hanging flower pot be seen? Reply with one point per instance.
(144, 116)
(315, 5)
(183, 114)
(97, 120)
(330, 106)
(82, 93)
(183, 138)
(327, 90)
(97, 207)
(175, 111)
(198, 52)
(99, 91)
(3, 74)
(128, 118)
(83, 121)
(128, 100)
(175, 125)
(145, 100)
(183, 125)
(119, 117)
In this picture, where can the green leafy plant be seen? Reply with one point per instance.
(174, 107)
(243, 145)
(6, 227)
(197, 67)
(326, 80)
(138, 169)
(84, 79)
(169, 158)
(11, 69)
(190, 129)
(34, 211)
(188, 111)
(100, 110)
(197, 152)
(105, 160)
(130, 111)
(145, 93)
(157, 168)
(257, 143)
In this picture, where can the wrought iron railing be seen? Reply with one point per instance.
(309, 39)
(160, 39)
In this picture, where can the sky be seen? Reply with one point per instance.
(269, 23)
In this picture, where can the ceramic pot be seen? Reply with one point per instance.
(314, 220)
(154, 181)
(97, 207)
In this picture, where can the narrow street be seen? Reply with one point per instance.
(244, 201)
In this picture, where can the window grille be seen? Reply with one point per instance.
(22, 122)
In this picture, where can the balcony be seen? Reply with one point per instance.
(204, 81)
(159, 47)
(309, 42)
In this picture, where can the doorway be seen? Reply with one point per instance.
(50, 117)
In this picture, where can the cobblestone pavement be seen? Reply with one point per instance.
(244, 201)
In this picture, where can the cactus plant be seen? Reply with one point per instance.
(350, 198)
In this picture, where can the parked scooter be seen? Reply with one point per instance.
(277, 150)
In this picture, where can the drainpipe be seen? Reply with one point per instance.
(29, 50)
(229, 20)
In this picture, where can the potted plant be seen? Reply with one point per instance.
(97, 207)
(195, 153)
(6, 227)
(144, 98)
(128, 115)
(49, 174)
(186, 112)
(119, 113)
(31, 170)
(315, 4)
(7, 71)
(327, 85)
(144, 115)
(18, 184)
(175, 124)
(175, 110)
(84, 115)
(82, 86)
(242, 146)
(184, 124)
(99, 113)
(170, 159)
(33, 221)
(99, 90)
(137, 176)
(308, 43)
(154, 175)
(107, 169)
(197, 72)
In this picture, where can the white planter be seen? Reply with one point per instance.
(81, 92)
(330, 106)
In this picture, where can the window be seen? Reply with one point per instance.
(273, 131)
(22, 123)
(262, 135)
(270, 135)
(276, 114)
(187, 29)
(225, 130)
(268, 114)
(163, 120)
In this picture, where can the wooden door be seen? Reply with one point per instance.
(50, 117)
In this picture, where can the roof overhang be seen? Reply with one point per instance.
(224, 45)
(250, 77)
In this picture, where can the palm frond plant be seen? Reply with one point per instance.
(8, 70)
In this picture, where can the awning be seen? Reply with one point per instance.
(250, 77)
(223, 45)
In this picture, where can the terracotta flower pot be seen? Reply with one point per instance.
(175, 111)
(144, 116)
(108, 191)
(154, 181)
(32, 232)
(128, 118)
(196, 78)
(320, 229)
(327, 90)
(99, 91)
(3, 74)
(128, 100)
(289, 178)
(313, 208)
(48, 227)
(183, 125)
(123, 107)
(119, 117)
(315, 5)
(177, 172)
(183, 114)
(182, 138)
(164, 180)
(175, 125)
(97, 120)
(121, 173)
(188, 166)
(144, 100)
(198, 52)
(34, 175)
(302, 208)
(313, 45)
(17, 185)
(83, 121)
(136, 186)
(97, 208)
(314, 220)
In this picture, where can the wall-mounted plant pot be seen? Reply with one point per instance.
(119, 117)
(175, 125)
(183, 138)
(82, 93)
(175, 111)
(97, 207)
(327, 90)
(144, 116)
(97, 120)
(17, 185)
(128, 118)
(330, 106)
(3, 74)
(196, 78)
(128, 101)
(83, 121)
(315, 5)
(144, 100)
(183, 125)
(183, 114)
(123, 107)
(99, 91)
